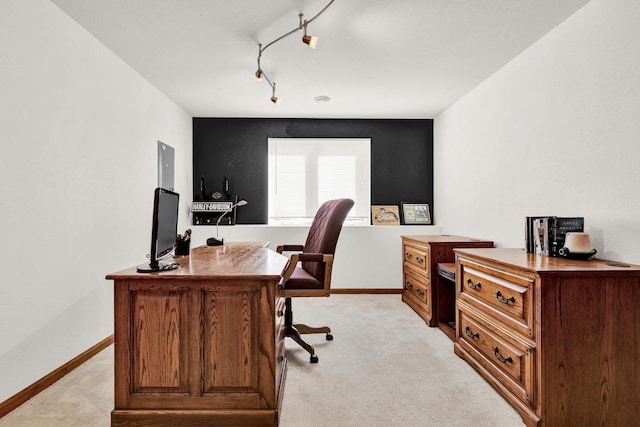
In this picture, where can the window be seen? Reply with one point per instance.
(305, 172)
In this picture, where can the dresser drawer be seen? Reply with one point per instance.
(417, 288)
(279, 320)
(506, 297)
(509, 361)
(280, 346)
(417, 257)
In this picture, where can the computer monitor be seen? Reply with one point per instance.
(163, 231)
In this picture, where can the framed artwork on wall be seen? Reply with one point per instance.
(385, 215)
(415, 214)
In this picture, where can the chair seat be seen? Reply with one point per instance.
(300, 279)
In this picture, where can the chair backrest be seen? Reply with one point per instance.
(324, 232)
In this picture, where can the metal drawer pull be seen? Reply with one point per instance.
(409, 285)
(420, 260)
(470, 334)
(472, 286)
(420, 292)
(407, 256)
(496, 352)
(504, 300)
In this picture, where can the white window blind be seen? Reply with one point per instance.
(305, 172)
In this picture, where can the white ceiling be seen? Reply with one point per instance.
(375, 58)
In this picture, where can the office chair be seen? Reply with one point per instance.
(313, 277)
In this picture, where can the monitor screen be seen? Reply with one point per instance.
(164, 230)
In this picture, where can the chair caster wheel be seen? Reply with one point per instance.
(314, 358)
(329, 337)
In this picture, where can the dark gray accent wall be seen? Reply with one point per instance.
(401, 156)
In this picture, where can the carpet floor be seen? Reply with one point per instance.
(384, 368)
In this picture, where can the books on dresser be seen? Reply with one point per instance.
(544, 235)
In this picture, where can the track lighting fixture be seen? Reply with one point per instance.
(310, 41)
(274, 98)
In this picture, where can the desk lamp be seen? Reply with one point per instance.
(216, 241)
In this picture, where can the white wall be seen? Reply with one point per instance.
(78, 134)
(366, 256)
(555, 132)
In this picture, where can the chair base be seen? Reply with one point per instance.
(295, 331)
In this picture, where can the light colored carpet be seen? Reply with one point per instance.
(384, 368)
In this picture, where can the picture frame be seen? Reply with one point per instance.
(415, 214)
(385, 215)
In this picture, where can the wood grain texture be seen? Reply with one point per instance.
(160, 341)
(420, 257)
(586, 340)
(199, 346)
(509, 360)
(595, 361)
(193, 418)
(232, 260)
(508, 296)
(231, 328)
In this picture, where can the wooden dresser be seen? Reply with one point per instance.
(559, 339)
(420, 255)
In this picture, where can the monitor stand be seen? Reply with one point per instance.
(150, 268)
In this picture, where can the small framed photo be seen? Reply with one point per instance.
(385, 215)
(416, 213)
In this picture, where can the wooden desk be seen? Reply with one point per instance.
(201, 345)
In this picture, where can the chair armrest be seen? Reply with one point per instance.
(312, 257)
(289, 268)
(289, 248)
(327, 259)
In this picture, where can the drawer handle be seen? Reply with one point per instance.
(470, 334)
(504, 300)
(420, 292)
(472, 286)
(420, 260)
(409, 285)
(407, 256)
(496, 352)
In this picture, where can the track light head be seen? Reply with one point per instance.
(258, 75)
(274, 98)
(311, 41)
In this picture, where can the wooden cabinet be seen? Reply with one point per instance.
(557, 338)
(420, 255)
(201, 345)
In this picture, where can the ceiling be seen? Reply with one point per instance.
(375, 58)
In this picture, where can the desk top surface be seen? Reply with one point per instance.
(233, 261)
